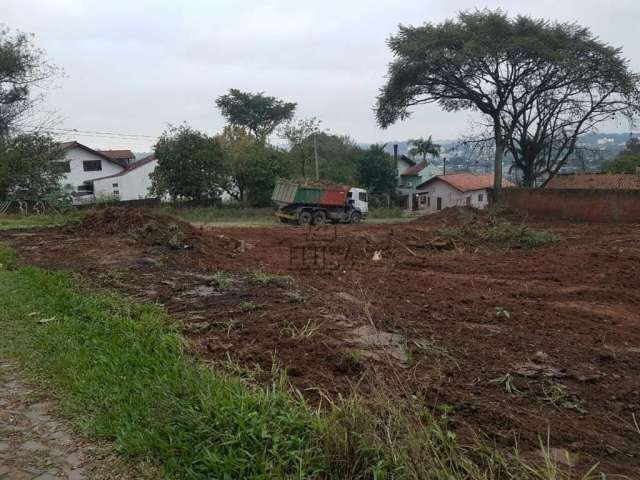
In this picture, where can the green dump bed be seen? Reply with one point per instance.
(287, 193)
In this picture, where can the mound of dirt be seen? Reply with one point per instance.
(152, 228)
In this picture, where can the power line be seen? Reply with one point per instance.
(75, 131)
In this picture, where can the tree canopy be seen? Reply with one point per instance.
(258, 113)
(376, 170)
(252, 167)
(23, 68)
(29, 167)
(537, 83)
(628, 161)
(190, 165)
(300, 134)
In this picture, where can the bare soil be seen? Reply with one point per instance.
(517, 342)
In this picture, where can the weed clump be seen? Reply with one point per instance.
(498, 233)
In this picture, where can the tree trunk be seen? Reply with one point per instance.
(499, 156)
(528, 176)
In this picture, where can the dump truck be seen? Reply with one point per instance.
(304, 204)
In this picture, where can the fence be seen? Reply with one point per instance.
(589, 205)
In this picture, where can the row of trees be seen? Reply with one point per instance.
(28, 170)
(627, 161)
(241, 162)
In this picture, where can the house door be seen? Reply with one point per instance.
(468, 201)
(439, 203)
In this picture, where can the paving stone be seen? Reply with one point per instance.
(35, 445)
(32, 446)
(73, 459)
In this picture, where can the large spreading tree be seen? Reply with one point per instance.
(538, 84)
(258, 113)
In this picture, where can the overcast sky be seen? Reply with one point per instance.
(134, 66)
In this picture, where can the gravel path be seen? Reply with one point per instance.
(36, 444)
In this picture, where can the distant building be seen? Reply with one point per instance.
(456, 190)
(85, 169)
(132, 183)
(410, 175)
(124, 158)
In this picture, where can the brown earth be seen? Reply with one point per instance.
(517, 342)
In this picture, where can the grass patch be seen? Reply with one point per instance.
(383, 212)
(263, 278)
(221, 280)
(121, 371)
(8, 222)
(499, 233)
(8, 258)
(307, 330)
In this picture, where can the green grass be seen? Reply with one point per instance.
(12, 221)
(263, 278)
(381, 212)
(122, 373)
(220, 279)
(499, 233)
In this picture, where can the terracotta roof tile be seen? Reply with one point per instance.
(118, 154)
(466, 182)
(415, 169)
(602, 181)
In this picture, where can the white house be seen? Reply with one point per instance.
(132, 183)
(91, 175)
(456, 190)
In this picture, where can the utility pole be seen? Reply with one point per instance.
(315, 153)
(444, 165)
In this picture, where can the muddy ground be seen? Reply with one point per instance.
(516, 341)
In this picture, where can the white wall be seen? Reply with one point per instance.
(450, 197)
(77, 176)
(132, 185)
(136, 183)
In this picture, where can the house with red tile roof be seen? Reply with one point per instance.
(456, 190)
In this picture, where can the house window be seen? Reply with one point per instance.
(114, 185)
(63, 167)
(92, 165)
(116, 192)
(480, 197)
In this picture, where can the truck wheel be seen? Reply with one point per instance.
(304, 217)
(319, 218)
(355, 217)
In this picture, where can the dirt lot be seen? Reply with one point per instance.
(515, 341)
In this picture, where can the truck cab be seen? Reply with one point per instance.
(358, 200)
